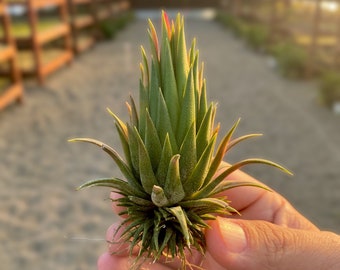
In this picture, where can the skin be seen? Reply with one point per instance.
(269, 234)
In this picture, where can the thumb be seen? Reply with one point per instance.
(243, 244)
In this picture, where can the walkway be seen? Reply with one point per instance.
(40, 212)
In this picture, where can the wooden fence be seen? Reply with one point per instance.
(142, 4)
(312, 24)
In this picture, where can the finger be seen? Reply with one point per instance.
(114, 196)
(242, 197)
(257, 203)
(263, 245)
(109, 262)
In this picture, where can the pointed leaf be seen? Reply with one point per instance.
(182, 66)
(196, 179)
(188, 158)
(178, 212)
(164, 126)
(121, 186)
(227, 184)
(203, 104)
(147, 176)
(187, 116)
(125, 144)
(134, 153)
(152, 143)
(206, 190)
(158, 196)
(204, 203)
(153, 40)
(220, 153)
(173, 186)
(153, 91)
(169, 86)
(143, 106)
(115, 156)
(133, 112)
(123, 136)
(119, 122)
(168, 234)
(145, 67)
(240, 139)
(205, 132)
(163, 165)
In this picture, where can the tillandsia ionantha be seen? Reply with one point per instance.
(171, 189)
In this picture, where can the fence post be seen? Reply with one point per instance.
(314, 37)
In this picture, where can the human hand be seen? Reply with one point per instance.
(270, 234)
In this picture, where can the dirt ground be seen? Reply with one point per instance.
(44, 222)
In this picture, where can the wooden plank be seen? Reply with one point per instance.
(6, 53)
(11, 94)
(77, 2)
(83, 21)
(38, 4)
(55, 64)
(53, 33)
(320, 41)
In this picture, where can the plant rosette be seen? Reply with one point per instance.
(171, 188)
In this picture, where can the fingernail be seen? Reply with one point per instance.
(233, 235)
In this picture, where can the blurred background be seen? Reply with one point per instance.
(274, 63)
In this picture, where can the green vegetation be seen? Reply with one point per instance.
(109, 28)
(255, 34)
(291, 59)
(330, 88)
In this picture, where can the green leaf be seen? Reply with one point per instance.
(182, 66)
(154, 44)
(188, 154)
(207, 190)
(134, 152)
(152, 143)
(192, 51)
(115, 156)
(196, 179)
(203, 104)
(143, 106)
(240, 139)
(168, 234)
(145, 67)
(204, 203)
(169, 86)
(196, 82)
(121, 186)
(178, 212)
(125, 144)
(123, 136)
(140, 201)
(173, 186)
(164, 126)
(188, 113)
(220, 153)
(205, 131)
(227, 184)
(165, 158)
(119, 122)
(147, 176)
(154, 91)
(158, 196)
(133, 112)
